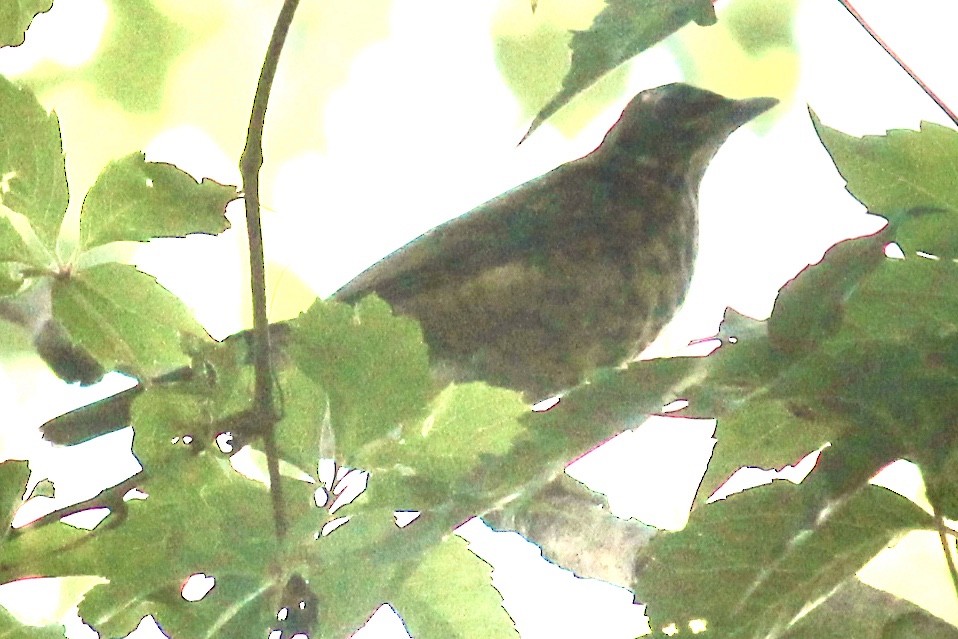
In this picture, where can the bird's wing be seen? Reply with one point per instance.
(504, 229)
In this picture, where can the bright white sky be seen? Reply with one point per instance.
(770, 204)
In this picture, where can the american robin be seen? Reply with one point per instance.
(574, 270)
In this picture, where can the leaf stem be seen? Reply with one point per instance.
(107, 498)
(894, 56)
(943, 531)
(250, 163)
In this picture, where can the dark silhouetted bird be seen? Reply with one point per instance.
(575, 270)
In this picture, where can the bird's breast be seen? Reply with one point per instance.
(642, 247)
(585, 279)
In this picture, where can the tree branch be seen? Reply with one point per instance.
(894, 56)
(250, 164)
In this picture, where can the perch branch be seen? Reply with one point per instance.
(250, 164)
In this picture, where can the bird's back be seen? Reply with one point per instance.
(556, 277)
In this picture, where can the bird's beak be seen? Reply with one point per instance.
(745, 110)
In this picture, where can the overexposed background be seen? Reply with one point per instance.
(391, 118)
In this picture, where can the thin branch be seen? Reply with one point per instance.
(914, 76)
(250, 164)
(106, 498)
(943, 531)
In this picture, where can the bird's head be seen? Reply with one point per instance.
(679, 125)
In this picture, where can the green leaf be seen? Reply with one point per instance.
(858, 610)
(11, 279)
(450, 595)
(16, 16)
(532, 62)
(353, 569)
(764, 433)
(747, 565)
(464, 425)
(33, 179)
(370, 560)
(211, 397)
(10, 628)
(940, 472)
(621, 31)
(898, 400)
(373, 365)
(138, 200)
(125, 319)
(760, 25)
(908, 298)
(215, 397)
(303, 408)
(903, 299)
(44, 488)
(929, 231)
(918, 624)
(896, 358)
(40, 552)
(435, 459)
(174, 411)
(613, 402)
(756, 427)
(810, 307)
(898, 171)
(874, 396)
(857, 353)
(200, 517)
(13, 481)
(131, 67)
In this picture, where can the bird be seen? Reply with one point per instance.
(573, 271)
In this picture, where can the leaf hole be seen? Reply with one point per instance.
(893, 251)
(197, 586)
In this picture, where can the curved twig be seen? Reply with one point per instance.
(894, 56)
(943, 531)
(250, 163)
